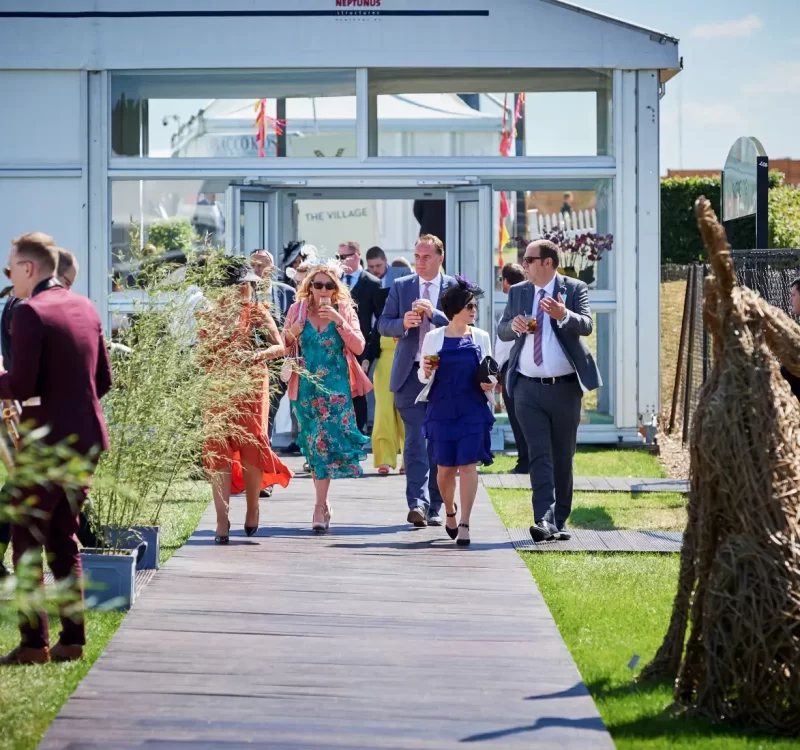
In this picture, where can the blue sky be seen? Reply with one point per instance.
(741, 75)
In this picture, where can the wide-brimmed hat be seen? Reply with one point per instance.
(238, 271)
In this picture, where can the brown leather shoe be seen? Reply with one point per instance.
(24, 655)
(62, 652)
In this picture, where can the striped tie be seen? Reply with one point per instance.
(537, 336)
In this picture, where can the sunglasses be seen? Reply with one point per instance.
(528, 259)
(345, 257)
(329, 285)
(471, 306)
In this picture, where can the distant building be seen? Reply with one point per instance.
(789, 167)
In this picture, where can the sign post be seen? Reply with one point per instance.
(745, 186)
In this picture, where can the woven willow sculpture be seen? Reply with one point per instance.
(739, 581)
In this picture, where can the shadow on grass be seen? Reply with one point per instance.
(671, 723)
(596, 518)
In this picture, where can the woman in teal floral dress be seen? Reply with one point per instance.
(322, 330)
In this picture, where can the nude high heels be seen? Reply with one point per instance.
(322, 519)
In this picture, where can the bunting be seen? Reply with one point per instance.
(262, 120)
(506, 141)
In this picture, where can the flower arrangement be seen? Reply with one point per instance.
(579, 253)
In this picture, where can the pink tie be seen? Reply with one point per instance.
(426, 323)
(537, 336)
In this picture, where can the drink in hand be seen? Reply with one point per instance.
(433, 361)
(531, 323)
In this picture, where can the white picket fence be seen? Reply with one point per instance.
(572, 223)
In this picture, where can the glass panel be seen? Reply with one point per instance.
(163, 219)
(253, 226)
(453, 112)
(598, 406)
(212, 114)
(578, 215)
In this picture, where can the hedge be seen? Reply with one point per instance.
(680, 240)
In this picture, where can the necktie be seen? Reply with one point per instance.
(537, 336)
(348, 279)
(426, 324)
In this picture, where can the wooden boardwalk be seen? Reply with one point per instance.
(375, 636)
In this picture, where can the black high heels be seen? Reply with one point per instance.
(251, 530)
(452, 533)
(223, 539)
(462, 541)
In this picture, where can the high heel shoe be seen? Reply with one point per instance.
(452, 533)
(251, 530)
(223, 539)
(463, 541)
(321, 521)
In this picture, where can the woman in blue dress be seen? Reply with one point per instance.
(322, 329)
(459, 417)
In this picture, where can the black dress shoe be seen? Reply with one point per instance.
(562, 534)
(266, 492)
(542, 531)
(291, 448)
(520, 470)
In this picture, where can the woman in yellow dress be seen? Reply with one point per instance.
(388, 434)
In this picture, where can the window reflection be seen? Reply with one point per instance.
(161, 221)
(219, 114)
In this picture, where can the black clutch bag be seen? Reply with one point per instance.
(488, 368)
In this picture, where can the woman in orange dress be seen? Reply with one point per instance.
(239, 458)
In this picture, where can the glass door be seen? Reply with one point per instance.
(469, 240)
(252, 221)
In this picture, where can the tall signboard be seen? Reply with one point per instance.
(745, 185)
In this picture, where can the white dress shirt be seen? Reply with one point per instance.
(354, 277)
(433, 293)
(554, 361)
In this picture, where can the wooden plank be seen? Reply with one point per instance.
(374, 636)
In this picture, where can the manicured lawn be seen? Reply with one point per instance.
(598, 462)
(647, 511)
(610, 609)
(30, 697)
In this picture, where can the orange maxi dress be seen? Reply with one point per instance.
(248, 414)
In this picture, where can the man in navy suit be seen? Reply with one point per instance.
(401, 321)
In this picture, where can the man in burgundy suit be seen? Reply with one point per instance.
(58, 356)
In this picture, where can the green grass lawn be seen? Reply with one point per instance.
(646, 511)
(597, 462)
(31, 697)
(610, 608)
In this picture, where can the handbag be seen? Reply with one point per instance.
(487, 369)
(288, 364)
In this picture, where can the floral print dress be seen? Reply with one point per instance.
(329, 437)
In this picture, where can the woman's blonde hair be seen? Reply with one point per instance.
(339, 296)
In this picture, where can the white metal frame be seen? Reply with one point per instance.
(633, 169)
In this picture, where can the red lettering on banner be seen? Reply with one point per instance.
(358, 3)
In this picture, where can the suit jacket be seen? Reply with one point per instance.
(569, 335)
(282, 297)
(59, 354)
(403, 293)
(5, 329)
(365, 295)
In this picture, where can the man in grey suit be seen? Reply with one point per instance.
(400, 320)
(549, 369)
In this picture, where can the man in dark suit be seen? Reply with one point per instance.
(59, 357)
(364, 288)
(548, 371)
(401, 321)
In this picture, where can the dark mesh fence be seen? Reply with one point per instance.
(768, 272)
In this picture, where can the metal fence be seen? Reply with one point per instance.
(768, 272)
